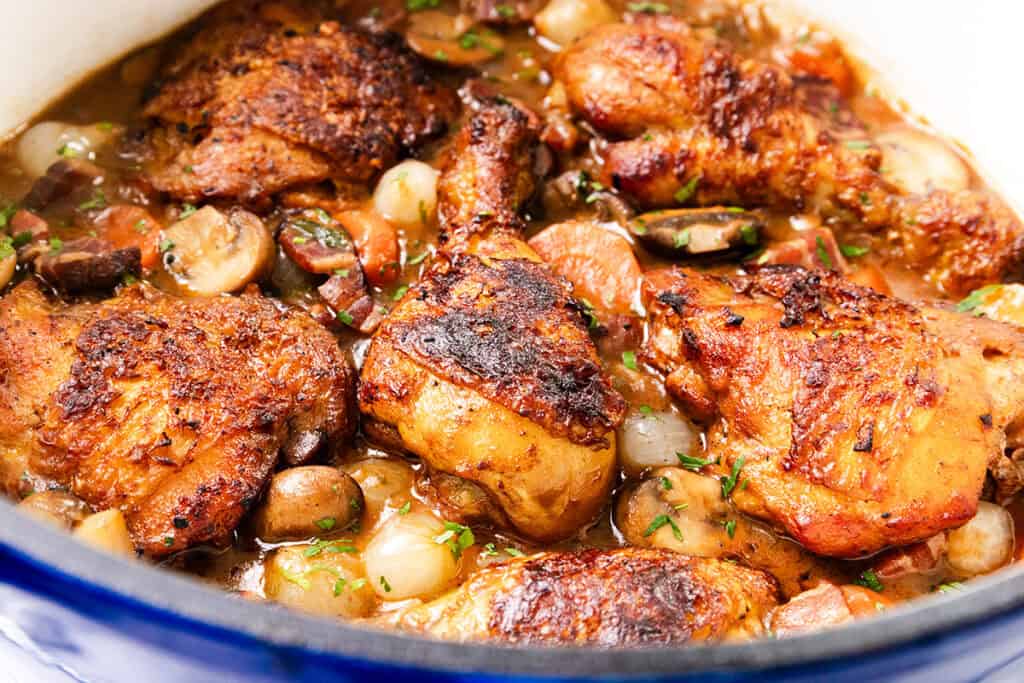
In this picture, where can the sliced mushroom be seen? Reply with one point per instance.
(60, 181)
(87, 264)
(316, 243)
(212, 251)
(451, 40)
(920, 163)
(694, 232)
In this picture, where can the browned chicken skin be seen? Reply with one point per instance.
(173, 410)
(855, 421)
(485, 368)
(266, 97)
(697, 115)
(606, 598)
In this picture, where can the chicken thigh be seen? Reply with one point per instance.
(850, 420)
(172, 410)
(485, 368)
(268, 95)
(606, 598)
(695, 121)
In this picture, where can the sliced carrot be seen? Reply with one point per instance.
(376, 244)
(600, 264)
(864, 602)
(132, 226)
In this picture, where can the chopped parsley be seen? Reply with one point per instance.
(823, 256)
(729, 483)
(345, 317)
(645, 410)
(400, 292)
(588, 312)
(7, 213)
(186, 211)
(686, 192)
(97, 201)
(515, 552)
(648, 7)
(688, 462)
(141, 226)
(666, 483)
(404, 510)
(749, 234)
(387, 586)
(298, 578)
(457, 537)
(168, 541)
(68, 151)
(730, 527)
(489, 550)
(976, 298)
(629, 359)
(56, 244)
(681, 239)
(420, 5)
(166, 245)
(852, 250)
(326, 523)
(951, 587)
(418, 258)
(336, 546)
(660, 521)
(21, 239)
(858, 144)
(868, 579)
(505, 11)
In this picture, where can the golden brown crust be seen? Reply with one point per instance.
(605, 598)
(173, 410)
(740, 130)
(258, 106)
(859, 418)
(508, 330)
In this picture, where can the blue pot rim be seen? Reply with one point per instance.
(166, 595)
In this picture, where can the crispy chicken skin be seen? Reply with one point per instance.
(604, 598)
(862, 422)
(173, 410)
(485, 368)
(685, 110)
(266, 97)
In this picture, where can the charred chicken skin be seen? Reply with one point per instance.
(692, 120)
(268, 96)
(622, 597)
(850, 420)
(485, 368)
(172, 410)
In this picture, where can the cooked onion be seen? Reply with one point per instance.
(323, 579)
(920, 163)
(49, 141)
(107, 531)
(984, 544)
(648, 440)
(407, 194)
(563, 21)
(405, 559)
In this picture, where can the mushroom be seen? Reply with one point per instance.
(920, 163)
(212, 252)
(693, 232)
(452, 40)
(303, 502)
(87, 264)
